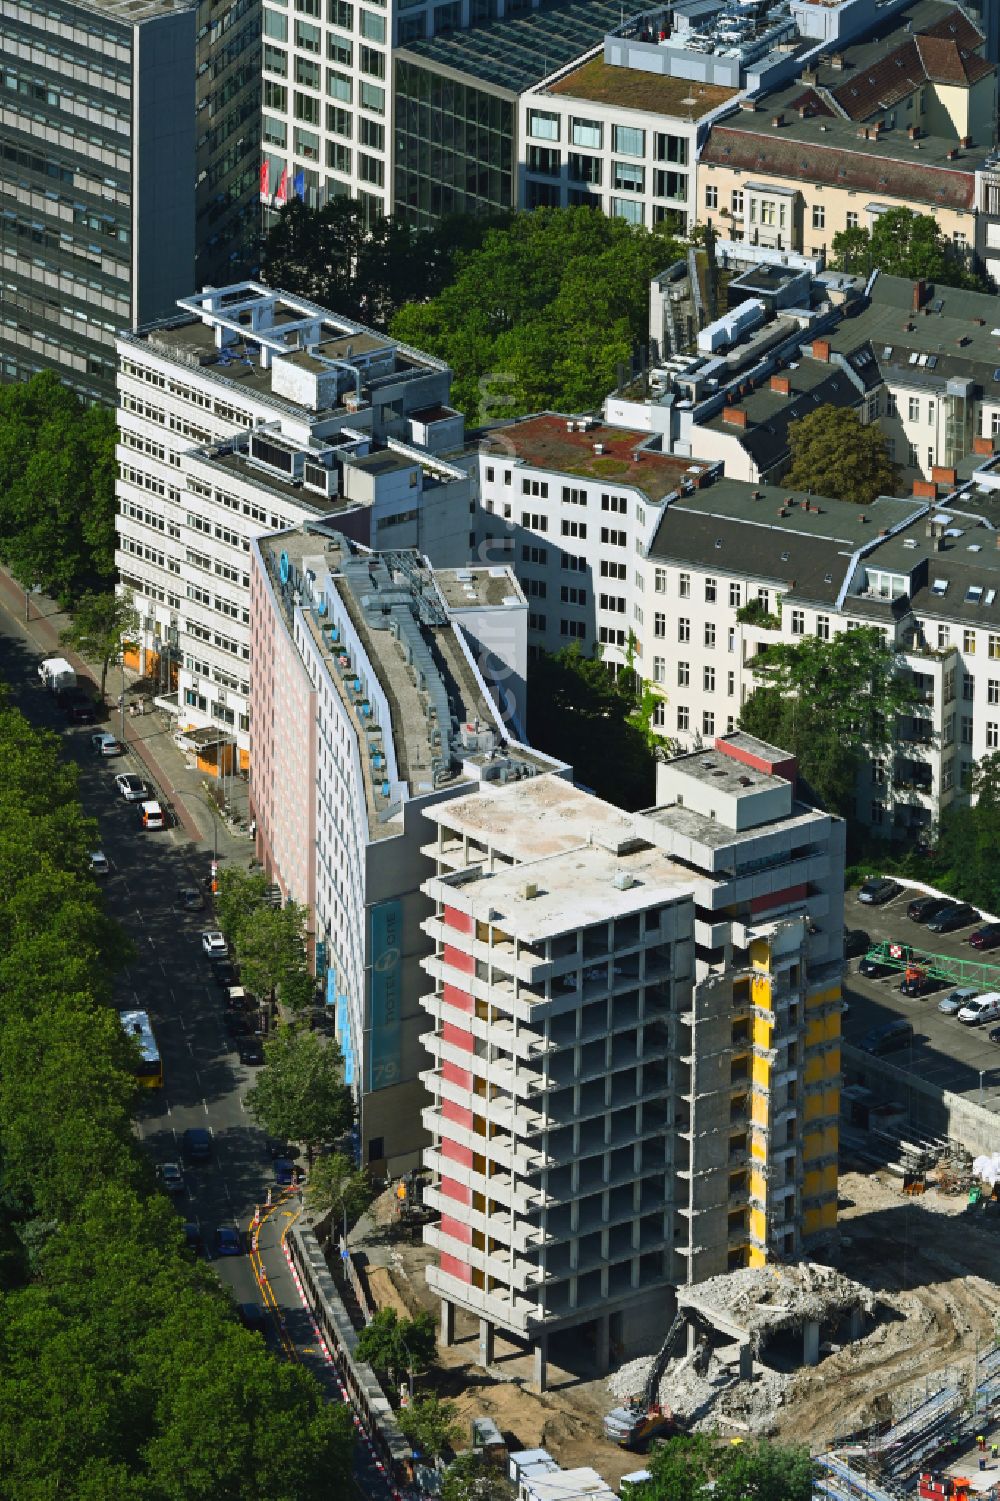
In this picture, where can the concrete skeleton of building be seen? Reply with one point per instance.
(375, 691)
(635, 1056)
(251, 412)
(129, 152)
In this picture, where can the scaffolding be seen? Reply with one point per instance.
(970, 972)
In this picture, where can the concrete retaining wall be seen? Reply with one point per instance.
(366, 1395)
(932, 1110)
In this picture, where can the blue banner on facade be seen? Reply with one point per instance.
(385, 947)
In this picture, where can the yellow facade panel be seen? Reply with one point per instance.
(758, 1224)
(758, 1185)
(812, 1106)
(812, 1146)
(828, 1216)
(758, 1110)
(816, 1032)
(760, 953)
(762, 1032)
(758, 1151)
(761, 1073)
(812, 1182)
(756, 1257)
(814, 1069)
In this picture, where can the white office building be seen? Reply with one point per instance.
(253, 412)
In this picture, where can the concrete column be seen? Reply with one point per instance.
(810, 1343)
(856, 1328)
(692, 1338)
(541, 1363)
(447, 1336)
(746, 1362)
(486, 1338)
(602, 1343)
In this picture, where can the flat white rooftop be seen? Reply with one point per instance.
(545, 816)
(573, 890)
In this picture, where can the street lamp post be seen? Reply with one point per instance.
(121, 701)
(982, 1076)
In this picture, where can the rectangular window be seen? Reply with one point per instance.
(340, 50)
(584, 168)
(992, 734)
(338, 85)
(668, 184)
(275, 60)
(612, 537)
(684, 586)
(275, 132)
(616, 503)
(308, 73)
(308, 38)
(944, 638)
(573, 628)
(628, 177)
(275, 25)
(736, 203)
(673, 149)
(338, 157)
(852, 219)
(370, 169)
(966, 729)
(798, 622)
(730, 684)
(340, 13)
(306, 109)
(628, 140)
(613, 570)
(711, 590)
(711, 196)
(819, 216)
(913, 409)
(659, 624)
(371, 61)
(573, 529)
(275, 96)
(683, 629)
(823, 627)
(969, 643)
(708, 724)
(370, 96)
(683, 717)
(993, 648)
(339, 122)
(710, 633)
(659, 669)
(708, 679)
(735, 596)
(543, 125)
(660, 581)
(993, 691)
(629, 209)
(683, 674)
(372, 26)
(307, 145)
(370, 133)
(587, 133)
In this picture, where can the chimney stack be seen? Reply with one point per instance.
(919, 293)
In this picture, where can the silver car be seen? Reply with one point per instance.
(952, 1003)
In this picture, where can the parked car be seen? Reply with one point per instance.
(192, 1237)
(994, 1034)
(251, 1051)
(236, 998)
(104, 744)
(214, 945)
(856, 941)
(228, 1241)
(132, 788)
(225, 973)
(952, 1003)
(986, 937)
(238, 1025)
(923, 908)
(77, 706)
(877, 890)
(197, 1144)
(189, 899)
(151, 815)
(171, 1178)
(252, 1316)
(956, 915)
(885, 1039)
(985, 1008)
(284, 1172)
(100, 865)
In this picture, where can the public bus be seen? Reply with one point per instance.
(149, 1071)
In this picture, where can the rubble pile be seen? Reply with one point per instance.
(712, 1396)
(763, 1300)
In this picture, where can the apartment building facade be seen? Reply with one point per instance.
(635, 1054)
(128, 158)
(905, 117)
(370, 704)
(253, 412)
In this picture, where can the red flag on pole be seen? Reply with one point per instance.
(281, 196)
(265, 180)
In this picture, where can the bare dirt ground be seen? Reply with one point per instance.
(934, 1270)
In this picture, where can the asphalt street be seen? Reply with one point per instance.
(943, 1051)
(205, 1084)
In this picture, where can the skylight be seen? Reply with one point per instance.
(914, 358)
(973, 594)
(991, 595)
(940, 588)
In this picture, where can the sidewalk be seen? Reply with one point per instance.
(180, 787)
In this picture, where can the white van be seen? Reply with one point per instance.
(152, 816)
(985, 1008)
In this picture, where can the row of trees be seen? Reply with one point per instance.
(122, 1369)
(903, 243)
(57, 489)
(269, 942)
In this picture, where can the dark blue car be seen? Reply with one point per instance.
(228, 1241)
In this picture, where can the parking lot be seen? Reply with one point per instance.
(943, 1051)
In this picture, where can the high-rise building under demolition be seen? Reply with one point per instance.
(635, 1054)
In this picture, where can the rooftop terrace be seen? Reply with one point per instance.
(614, 455)
(630, 88)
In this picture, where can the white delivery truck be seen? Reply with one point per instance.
(57, 674)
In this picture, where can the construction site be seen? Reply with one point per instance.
(905, 1311)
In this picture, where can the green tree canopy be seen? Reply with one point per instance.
(392, 1344)
(269, 942)
(698, 1468)
(830, 703)
(361, 269)
(834, 453)
(429, 1424)
(902, 243)
(300, 1094)
(101, 622)
(543, 314)
(580, 713)
(338, 1188)
(57, 477)
(969, 838)
(469, 1477)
